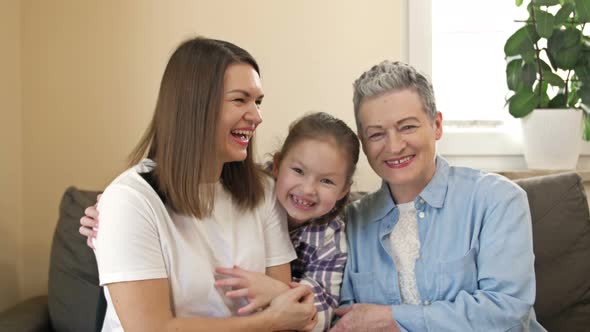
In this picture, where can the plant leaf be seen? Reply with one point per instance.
(529, 9)
(546, 2)
(564, 38)
(545, 66)
(584, 93)
(569, 57)
(571, 37)
(533, 35)
(518, 3)
(563, 14)
(559, 101)
(586, 132)
(551, 60)
(541, 96)
(529, 54)
(513, 70)
(550, 77)
(522, 103)
(582, 10)
(564, 48)
(553, 79)
(519, 43)
(529, 75)
(544, 23)
(583, 72)
(573, 97)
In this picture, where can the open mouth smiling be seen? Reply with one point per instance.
(400, 162)
(242, 136)
(301, 202)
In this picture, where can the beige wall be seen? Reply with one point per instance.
(11, 150)
(91, 71)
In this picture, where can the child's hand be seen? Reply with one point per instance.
(257, 287)
(89, 223)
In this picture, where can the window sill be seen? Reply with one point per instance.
(491, 149)
(522, 174)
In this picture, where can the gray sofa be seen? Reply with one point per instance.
(561, 230)
(75, 302)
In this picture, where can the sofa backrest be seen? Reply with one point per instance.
(561, 242)
(76, 302)
(561, 239)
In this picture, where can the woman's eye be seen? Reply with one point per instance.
(408, 127)
(375, 136)
(297, 170)
(239, 100)
(258, 103)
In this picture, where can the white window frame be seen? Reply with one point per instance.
(496, 149)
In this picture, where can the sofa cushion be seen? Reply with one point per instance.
(76, 302)
(561, 240)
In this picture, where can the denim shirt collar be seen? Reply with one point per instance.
(433, 194)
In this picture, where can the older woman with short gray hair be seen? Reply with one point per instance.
(437, 247)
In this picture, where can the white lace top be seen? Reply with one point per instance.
(405, 249)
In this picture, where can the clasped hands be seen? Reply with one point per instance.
(258, 288)
(261, 291)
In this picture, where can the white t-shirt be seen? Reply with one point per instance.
(141, 239)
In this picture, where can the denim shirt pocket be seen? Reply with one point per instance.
(457, 275)
(363, 285)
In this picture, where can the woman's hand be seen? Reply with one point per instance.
(257, 287)
(365, 317)
(293, 309)
(89, 223)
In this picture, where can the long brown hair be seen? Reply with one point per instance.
(323, 126)
(181, 135)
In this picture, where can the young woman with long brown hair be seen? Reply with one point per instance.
(197, 202)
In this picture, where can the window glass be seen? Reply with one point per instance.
(468, 65)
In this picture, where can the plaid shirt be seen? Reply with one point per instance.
(321, 256)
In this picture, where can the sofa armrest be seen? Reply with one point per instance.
(30, 315)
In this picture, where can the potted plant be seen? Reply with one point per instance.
(548, 72)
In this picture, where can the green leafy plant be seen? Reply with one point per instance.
(554, 31)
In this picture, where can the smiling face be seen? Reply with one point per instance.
(311, 178)
(399, 140)
(240, 112)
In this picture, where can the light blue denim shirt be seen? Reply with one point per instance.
(476, 266)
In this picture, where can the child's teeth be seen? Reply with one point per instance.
(301, 202)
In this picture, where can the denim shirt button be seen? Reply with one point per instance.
(421, 215)
(421, 201)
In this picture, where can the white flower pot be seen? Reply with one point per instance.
(552, 138)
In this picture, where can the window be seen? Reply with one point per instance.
(460, 45)
(466, 55)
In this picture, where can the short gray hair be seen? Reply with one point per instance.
(389, 76)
